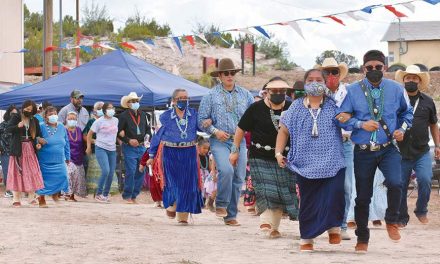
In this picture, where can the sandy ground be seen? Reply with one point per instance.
(90, 232)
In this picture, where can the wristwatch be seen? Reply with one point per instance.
(278, 154)
(235, 149)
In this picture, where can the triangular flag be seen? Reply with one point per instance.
(177, 40)
(295, 27)
(149, 41)
(336, 19)
(432, 2)
(354, 16)
(23, 51)
(410, 6)
(219, 35)
(313, 20)
(105, 46)
(262, 31)
(50, 48)
(170, 44)
(87, 49)
(246, 31)
(202, 37)
(128, 45)
(146, 45)
(393, 10)
(191, 40)
(369, 9)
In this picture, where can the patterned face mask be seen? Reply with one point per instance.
(315, 88)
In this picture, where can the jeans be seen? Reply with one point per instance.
(5, 164)
(365, 164)
(107, 162)
(133, 177)
(349, 179)
(230, 179)
(423, 169)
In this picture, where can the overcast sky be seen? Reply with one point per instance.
(355, 38)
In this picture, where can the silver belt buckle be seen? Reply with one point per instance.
(374, 146)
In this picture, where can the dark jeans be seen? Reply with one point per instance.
(133, 177)
(365, 164)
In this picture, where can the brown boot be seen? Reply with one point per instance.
(361, 248)
(72, 198)
(42, 201)
(56, 197)
(393, 232)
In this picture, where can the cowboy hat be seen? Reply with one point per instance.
(225, 64)
(331, 63)
(277, 84)
(130, 96)
(414, 69)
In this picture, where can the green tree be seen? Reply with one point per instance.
(32, 21)
(96, 21)
(339, 56)
(34, 43)
(138, 27)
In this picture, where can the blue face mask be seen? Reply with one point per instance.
(72, 123)
(99, 112)
(53, 119)
(182, 104)
(134, 106)
(110, 112)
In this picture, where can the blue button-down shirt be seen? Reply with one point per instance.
(224, 108)
(397, 110)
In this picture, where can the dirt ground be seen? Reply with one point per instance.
(90, 232)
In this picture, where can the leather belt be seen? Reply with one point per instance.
(376, 147)
(179, 144)
(267, 147)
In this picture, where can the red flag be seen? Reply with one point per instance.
(190, 40)
(96, 45)
(394, 11)
(50, 48)
(128, 45)
(336, 19)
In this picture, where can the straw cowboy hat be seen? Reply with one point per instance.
(332, 63)
(130, 96)
(225, 64)
(277, 84)
(414, 69)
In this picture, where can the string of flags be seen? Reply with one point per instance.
(149, 43)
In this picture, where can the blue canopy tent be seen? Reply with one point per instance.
(107, 78)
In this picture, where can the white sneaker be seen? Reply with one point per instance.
(8, 194)
(345, 235)
(100, 198)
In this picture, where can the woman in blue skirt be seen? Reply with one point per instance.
(317, 160)
(174, 150)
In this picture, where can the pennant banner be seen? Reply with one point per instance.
(295, 27)
(170, 44)
(410, 6)
(128, 45)
(146, 45)
(336, 19)
(149, 41)
(177, 40)
(191, 40)
(354, 16)
(432, 2)
(393, 10)
(262, 31)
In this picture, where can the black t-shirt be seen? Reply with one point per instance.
(415, 142)
(258, 122)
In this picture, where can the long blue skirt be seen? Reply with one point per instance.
(55, 178)
(182, 180)
(322, 204)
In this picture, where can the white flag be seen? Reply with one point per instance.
(410, 6)
(354, 16)
(105, 46)
(145, 45)
(295, 26)
(202, 37)
(170, 44)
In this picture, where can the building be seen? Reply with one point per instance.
(11, 39)
(414, 43)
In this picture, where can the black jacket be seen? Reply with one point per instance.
(18, 134)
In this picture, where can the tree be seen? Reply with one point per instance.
(32, 22)
(96, 20)
(339, 56)
(138, 27)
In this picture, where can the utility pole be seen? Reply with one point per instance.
(48, 37)
(77, 33)
(60, 52)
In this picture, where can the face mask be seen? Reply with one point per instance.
(27, 114)
(182, 104)
(315, 88)
(110, 112)
(53, 119)
(134, 106)
(411, 86)
(332, 82)
(99, 112)
(374, 76)
(277, 98)
(72, 123)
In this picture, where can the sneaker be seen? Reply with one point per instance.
(8, 194)
(107, 199)
(100, 198)
(423, 219)
(361, 248)
(221, 212)
(345, 235)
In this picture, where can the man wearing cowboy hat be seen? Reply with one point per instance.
(414, 147)
(224, 105)
(334, 73)
(132, 127)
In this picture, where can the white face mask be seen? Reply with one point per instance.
(72, 123)
(53, 119)
(110, 112)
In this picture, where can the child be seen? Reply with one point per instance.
(207, 172)
(155, 190)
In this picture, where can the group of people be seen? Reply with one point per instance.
(314, 152)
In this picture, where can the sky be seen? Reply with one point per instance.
(355, 38)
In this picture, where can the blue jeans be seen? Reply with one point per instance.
(349, 179)
(423, 168)
(5, 164)
(230, 179)
(365, 164)
(133, 177)
(107, 162)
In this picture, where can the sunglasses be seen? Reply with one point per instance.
(227, 73)
(377, 67)
(332, 72)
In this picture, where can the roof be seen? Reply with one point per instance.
(409, 31)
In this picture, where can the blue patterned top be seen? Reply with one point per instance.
(314, 158)
(224, 108)
(57, 149)
(170, 132)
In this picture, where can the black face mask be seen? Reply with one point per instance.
(27, 114)
(374, 76)
(411, 86)
(277, 98)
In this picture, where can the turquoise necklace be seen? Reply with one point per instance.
(375, 111)
(182, 122)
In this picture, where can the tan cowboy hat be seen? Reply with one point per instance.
(277, 84)
(414, 69)
(225, 64)
(130, 96)
(332, 63)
